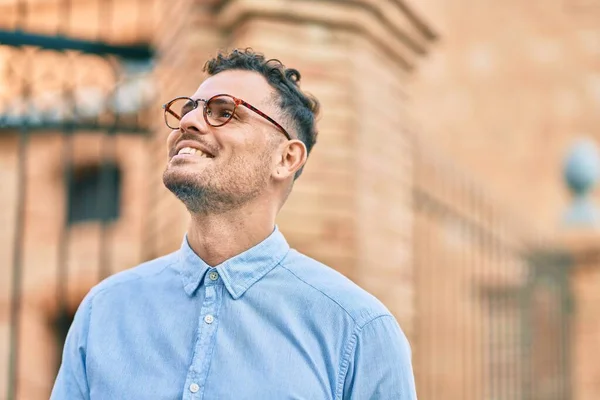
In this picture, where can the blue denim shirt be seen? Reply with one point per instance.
(269, 323)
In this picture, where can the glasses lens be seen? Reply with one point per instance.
(219, 110)
(176, 110)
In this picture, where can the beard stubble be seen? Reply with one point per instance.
(216, 191)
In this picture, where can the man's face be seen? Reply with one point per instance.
(234, 162)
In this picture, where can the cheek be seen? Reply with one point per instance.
(246, 148)
(252, 153)
(171, 139)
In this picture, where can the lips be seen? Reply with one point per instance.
(189, 147)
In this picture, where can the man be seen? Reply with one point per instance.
(235, 313)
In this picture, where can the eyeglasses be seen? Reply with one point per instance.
(217, 111)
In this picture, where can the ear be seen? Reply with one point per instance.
(291, 157)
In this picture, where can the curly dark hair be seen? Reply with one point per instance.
(300, 108)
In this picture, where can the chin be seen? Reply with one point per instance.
(177, 177)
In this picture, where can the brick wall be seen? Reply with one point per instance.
(504, 78)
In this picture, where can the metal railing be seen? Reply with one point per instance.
(62, 82)
(492, 301)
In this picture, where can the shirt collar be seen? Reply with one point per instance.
(239, 272)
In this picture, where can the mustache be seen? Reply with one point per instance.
(193, 138)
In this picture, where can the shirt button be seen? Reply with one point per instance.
(194, 387)
(209, 319)
(213, 276)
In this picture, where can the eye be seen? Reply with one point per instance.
(187, 107)
(220, 110)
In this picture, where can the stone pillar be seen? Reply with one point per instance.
(584, 247)
(352, 208)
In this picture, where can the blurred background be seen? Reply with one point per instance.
(453, 177)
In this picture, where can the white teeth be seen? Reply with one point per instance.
(187, 150)
(191, 150)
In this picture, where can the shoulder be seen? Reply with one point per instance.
(134, 276)
(330, 286)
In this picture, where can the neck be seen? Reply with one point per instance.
(217, 238)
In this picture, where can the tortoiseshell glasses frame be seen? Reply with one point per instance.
(217, 111)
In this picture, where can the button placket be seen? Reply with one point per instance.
(207, 326)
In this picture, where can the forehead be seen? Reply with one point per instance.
(247, 85)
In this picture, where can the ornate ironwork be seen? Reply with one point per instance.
(46, 89)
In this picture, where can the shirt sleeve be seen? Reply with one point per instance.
(71, 382)
(379, 365)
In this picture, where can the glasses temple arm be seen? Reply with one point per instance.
(265, 116)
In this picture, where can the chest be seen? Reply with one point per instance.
(214, 353)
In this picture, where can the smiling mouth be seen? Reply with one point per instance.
(192, 152)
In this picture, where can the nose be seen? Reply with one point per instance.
(193, 121)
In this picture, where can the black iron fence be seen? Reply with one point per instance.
(66, 74)
(493, 302)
